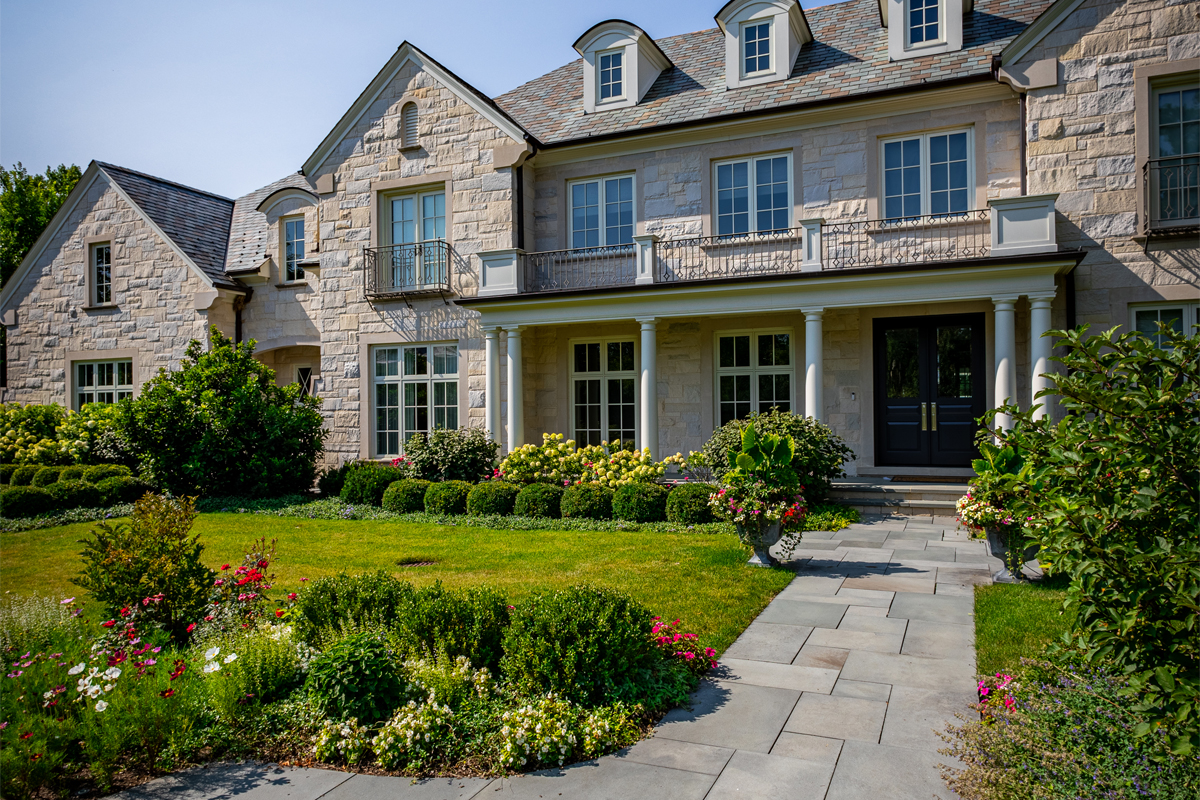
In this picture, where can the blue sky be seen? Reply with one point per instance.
(229, 96)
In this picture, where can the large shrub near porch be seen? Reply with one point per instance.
(1112, 494)
(220, 426)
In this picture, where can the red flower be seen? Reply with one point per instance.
(279, 612)
(117, 658)
(35, 757)
(124, 612)
(209, 618)
(191, 627)
(26, 735)
(109, 624)
(167, 693)
(180, 668)
(224, 567)
(291, 596)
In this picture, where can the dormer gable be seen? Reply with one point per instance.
(620, 64)
(923, 27)
(762, 40)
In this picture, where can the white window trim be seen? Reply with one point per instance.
(925, 191)
(283, 240)
(770, 70)
(400, 380)
(753, 369)
(128, 389)
(603, 375)
(616, 98)
(91, 276)
(1191, 312)
(753, 190)
(600, 179)
(928, 43)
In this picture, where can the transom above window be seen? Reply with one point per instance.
(927, 174)
(102, 274)
(924, 23)
(604, 392)
(103, 382)
(753, 195)
(754, 373)
(293, 247)
(416, 391)
(756, 47)
(602, 212)
(610, 74)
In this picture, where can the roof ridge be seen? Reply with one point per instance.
(106, 166)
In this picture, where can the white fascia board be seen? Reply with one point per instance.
(405, 53)
(1046, 22)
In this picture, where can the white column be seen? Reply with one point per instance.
(491, 380)
(516, 397)
(649, 381)
(1039, 349)
(1005, 356)
(814, 358)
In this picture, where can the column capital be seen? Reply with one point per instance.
(1009, 300)
(813, 313)
(514, 329)
(647, 323)
(492, 331)
(1043, 299)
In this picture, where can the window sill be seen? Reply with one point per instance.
(105, 307)
(408, 148)
(291, 285)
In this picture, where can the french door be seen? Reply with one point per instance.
(929, 390)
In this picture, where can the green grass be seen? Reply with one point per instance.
(1015, 621)
(701, 579)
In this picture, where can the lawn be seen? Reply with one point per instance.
(701, 579)
(1017, 620)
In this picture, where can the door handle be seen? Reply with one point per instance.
(924, 418)
(933, 416)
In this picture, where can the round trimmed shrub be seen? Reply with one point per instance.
(447, 497)
(119, 489)
(6, 471)
(74, 494)
(46, 476)
(24, 501)
(101, 471)
(357, 677)
(23, 474)
(366, 482)
(640, 502)
(493, 497)
(587, 501)
(539, 500)
(687, 504)
(406, 496)
(72, 474)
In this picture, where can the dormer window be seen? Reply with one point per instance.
(756, 46)
(762, 40)
(620, 64)
(610, 75)
(923, 25)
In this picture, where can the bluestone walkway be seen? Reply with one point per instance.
(834, 692)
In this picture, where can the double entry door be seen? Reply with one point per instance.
(929, 390)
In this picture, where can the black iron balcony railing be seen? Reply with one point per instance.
(589, 268)
(400, 270)
(1172, 193)
(909, 240)
(738, 256)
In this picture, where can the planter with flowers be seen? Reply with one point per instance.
(761, 494)
(983, 509)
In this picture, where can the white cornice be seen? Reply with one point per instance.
(1046, 22)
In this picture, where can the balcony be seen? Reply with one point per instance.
(567, 270)
(1172, 196)
(408, 270)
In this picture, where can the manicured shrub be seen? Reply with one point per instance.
(120, 489)
(154, 553)
(74, 494)
(640, 502)
(367, 481)
(6, 471)
(358, 677)
(688, 504)
(46, 476)
(72, 473)
(406, 496)
(452, 455)
(583, 644)
(448, 497)
(435, 621)
(102, 471)
(539, 500)
(493, 497)
(587, 501)
(23, 475)
(219, 426)
(338, 604)
(24, 501)
(331, 480)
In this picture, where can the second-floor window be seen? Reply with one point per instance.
(1175, 172)
(924, 24)
(756, 48)
(602, 212)
(753, 195)
(927, 174)
(416, 221)
(611, 72)
(102, 274)
(293, 249)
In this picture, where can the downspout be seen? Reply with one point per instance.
(1024, 145)
(238, 304)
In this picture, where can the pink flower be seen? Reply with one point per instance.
(68, 601)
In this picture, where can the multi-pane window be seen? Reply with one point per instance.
(416, 391)
(756, 48)
(604, 392)
(417, 219)
(1181, 317)
(610, 74)
(754, 373)
(602, 212)
(753, 195)
(923, 21)
(293, 249)
(927, 174)
(102, 382)
(1175, 177)
(102, 274)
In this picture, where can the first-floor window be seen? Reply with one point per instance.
(754, 373)
(604, 392)
(416, 391)
(304, 378)
(102, 382)
(1181, 317)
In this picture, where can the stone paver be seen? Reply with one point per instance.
(867, 771)
(736, 715)
(771, 777)
(804, 612)
(381, 787)
(780, 676)
(249, 780)
(764, 641)
(659, 752)
(838, 717)
(606, 779)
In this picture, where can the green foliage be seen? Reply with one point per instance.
(466, 454)
(366, 482)
(584, 644)
(28, 434)
(492, 497)
(74, 494)
(640, 502)
(448, 497)
(24, 501)
(688, 504)
(587, 501)
(71, 474)
(405, 496)
(83, 434)
(220, 425)
(356, 678)
(818, 457)
(1112, 494)
(266, 666)
(46, 476)
(337, 605)
(539, 500)
(23, 475)
(104, 471)
(6, 471)
(120, 489)
(152, 554)
(27, 204)
(331, 480)
(829, 517)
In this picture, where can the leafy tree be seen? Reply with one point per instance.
(27, 204)
(219, 426)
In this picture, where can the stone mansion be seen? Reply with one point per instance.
(866, 212)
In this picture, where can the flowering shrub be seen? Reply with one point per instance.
(238, 598)
(80, 433)
(452, 682)
(682, 647)
(979, 515)
(416, 736)
(452, 455)
(28, 434)
(559, 461)
(607, 728)
(345, 741)
(539, 732)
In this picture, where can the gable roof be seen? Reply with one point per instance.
(1046, 22)
(248, 232)
(848, 58)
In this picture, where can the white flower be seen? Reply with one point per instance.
(92, 691)
(101, 705)
(211, 653)
(229, 659)
(211, 667)
(75, 670)
(108, 688)
(112, 673)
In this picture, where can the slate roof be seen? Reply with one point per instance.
(248, 231)
(196, 221)
(847, 57)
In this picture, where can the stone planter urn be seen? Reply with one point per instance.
(761, 539)
(998, 546)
